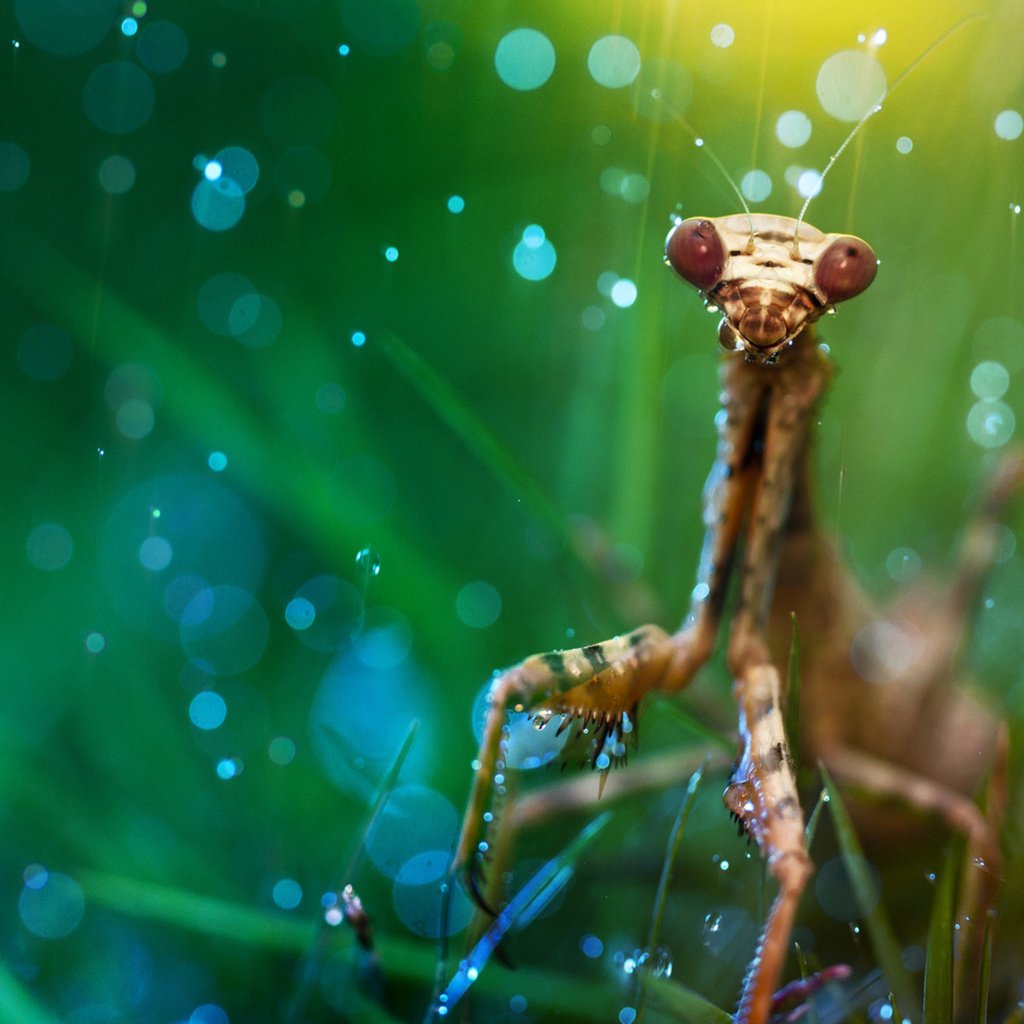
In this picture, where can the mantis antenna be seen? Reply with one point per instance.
(871, 111)
(702, 144)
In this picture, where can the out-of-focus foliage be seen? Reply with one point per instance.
(340, 368)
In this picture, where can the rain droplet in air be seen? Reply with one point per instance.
(368, 561)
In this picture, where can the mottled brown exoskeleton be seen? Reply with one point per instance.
(877, 707)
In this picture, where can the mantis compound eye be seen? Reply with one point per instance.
(845, 268)
(694, 250)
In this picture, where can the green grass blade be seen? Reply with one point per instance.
(551, 993)
(671, 853)
(294, 484)
(981, 1015)
(692, 724)
(881, 935)
(474, 433)
(17, 1006)
(681, 1003)
(308, 970)
(938, 964)
(812, 822)
(801, 957)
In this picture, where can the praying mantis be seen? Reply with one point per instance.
(877, 706)
(773, 277)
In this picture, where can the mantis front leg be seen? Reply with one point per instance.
(598, 687)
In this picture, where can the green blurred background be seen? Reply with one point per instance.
(296, 455)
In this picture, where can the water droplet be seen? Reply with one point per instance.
(661, 965)
(723, 36)
(1009, 124)
(369, 561)
(524, 59)
(990, 423)
(712, 923)
(903, 564)
(614, 61)
(793, 128)
(990, 379)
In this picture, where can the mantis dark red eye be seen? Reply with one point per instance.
(694, 250)
(845, 268)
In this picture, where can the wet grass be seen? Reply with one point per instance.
(483, 433)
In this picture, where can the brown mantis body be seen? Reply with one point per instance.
(773, 277)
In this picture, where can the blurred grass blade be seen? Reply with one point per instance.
(981, 1016)
(550, 992)
(499, 460)
(801, 956)
(450, 407)
(812, 822)
(681, 1003)
(938, 964)
(386, 786)
(693, 724)
(17, 1006)
(536, 894)
(671, 853)
(881, 935)
(295, 484)
(308, 969)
